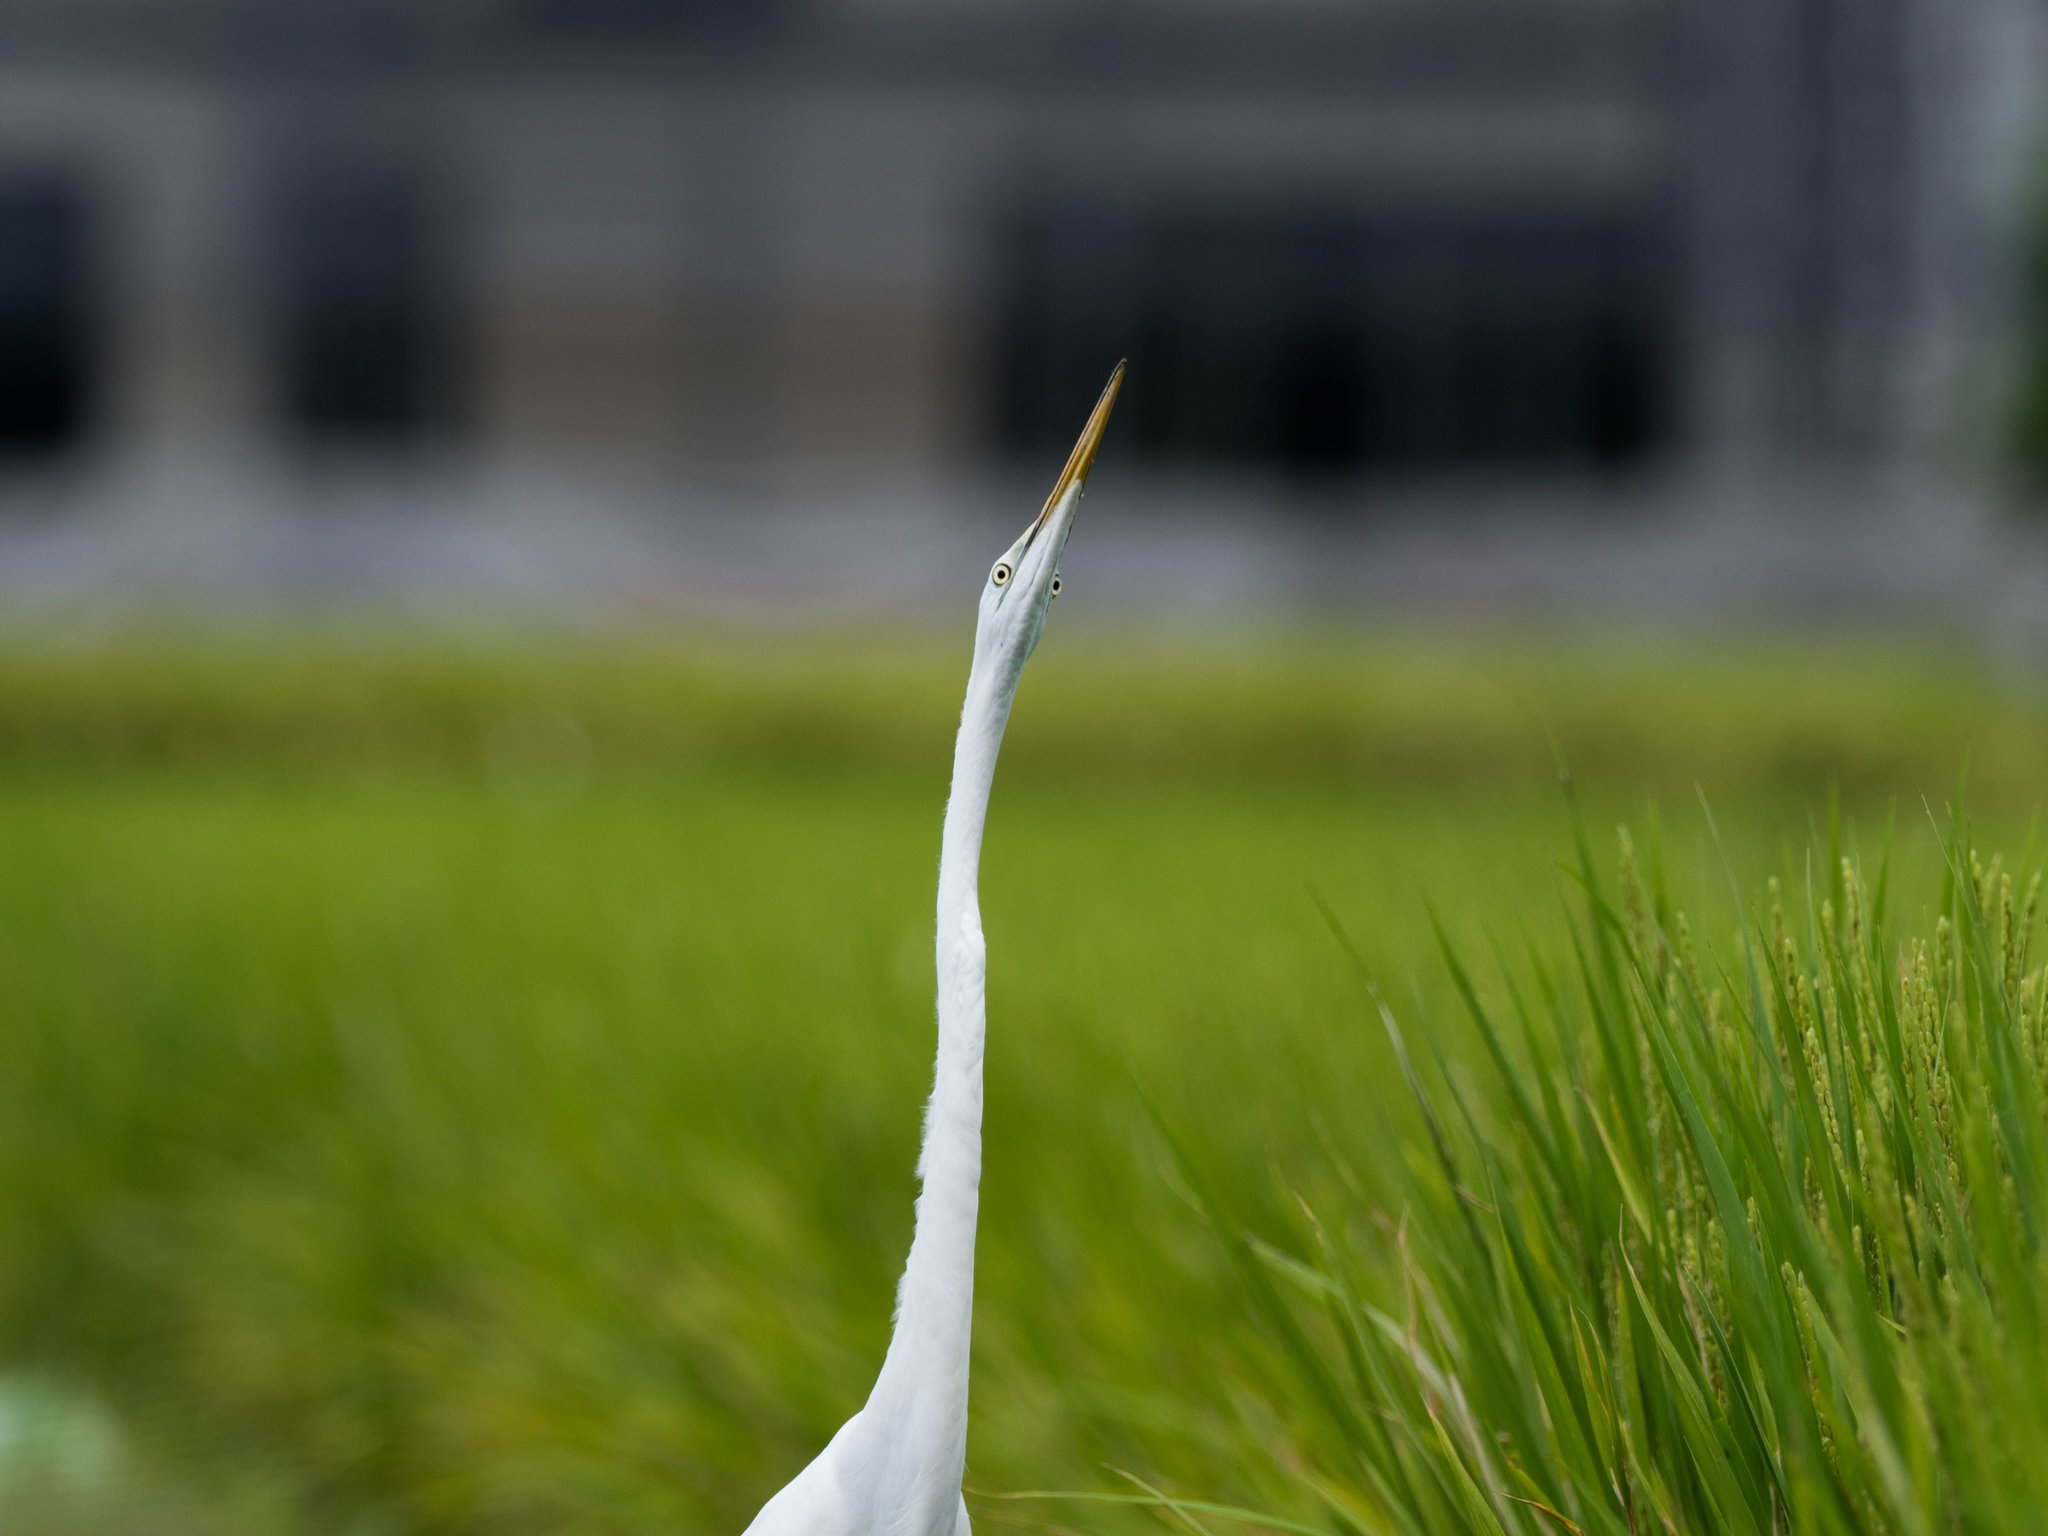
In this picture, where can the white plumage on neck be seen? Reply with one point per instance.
(922, 1389)
(895, 1467)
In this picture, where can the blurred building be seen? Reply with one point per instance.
(780, 300)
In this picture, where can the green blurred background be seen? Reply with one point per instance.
(490, 493)
(471, 1083)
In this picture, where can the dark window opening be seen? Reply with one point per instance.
(364, 324)
(46, 313)
(638, 19)
(1324, 346)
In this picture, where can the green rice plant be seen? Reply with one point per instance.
(1745, 1239)
(457, 1089)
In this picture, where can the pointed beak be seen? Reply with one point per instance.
(1082, 459)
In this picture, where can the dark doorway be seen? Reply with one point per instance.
(1320, 345)
(46, 318)
(365, 326)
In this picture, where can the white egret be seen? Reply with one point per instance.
(894, 1468)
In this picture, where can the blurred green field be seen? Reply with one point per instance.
(472, 1086)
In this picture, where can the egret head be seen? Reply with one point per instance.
(1020, 586)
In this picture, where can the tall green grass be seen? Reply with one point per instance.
(473, 1089)
(1747, 1237)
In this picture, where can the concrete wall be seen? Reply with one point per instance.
(707, 280)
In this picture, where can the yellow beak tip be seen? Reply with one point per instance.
(1082, 459)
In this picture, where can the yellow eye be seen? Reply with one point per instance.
(1056, 583)
(1001, 574)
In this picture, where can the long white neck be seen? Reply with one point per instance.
(922, 1391)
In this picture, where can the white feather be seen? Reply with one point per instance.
(895, 1467)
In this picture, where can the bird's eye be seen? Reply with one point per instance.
(1001, 574)
(1056, 583)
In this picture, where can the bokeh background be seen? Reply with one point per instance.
(490, 496)
(1649, 305)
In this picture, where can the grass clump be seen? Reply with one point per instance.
(449, 1090)
(1748, 1241)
